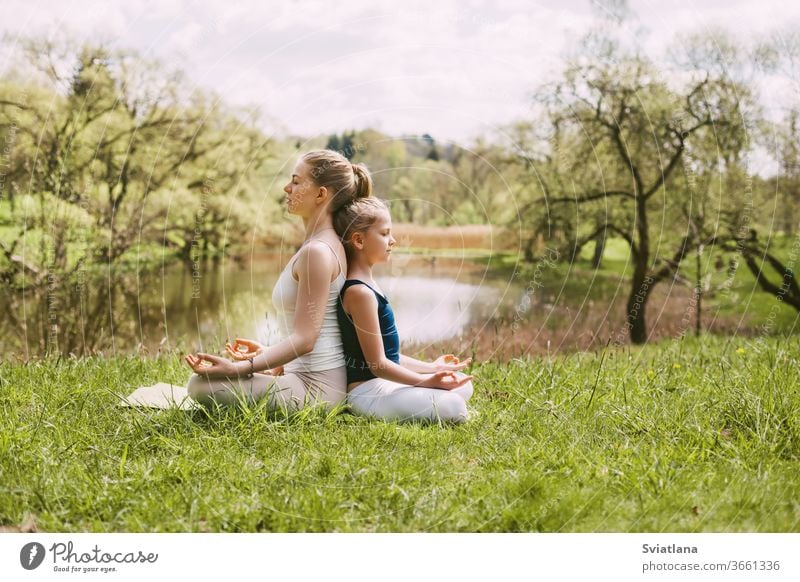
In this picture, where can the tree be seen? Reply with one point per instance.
(112, 152)
(787, 183)
(636, 129)
(480, 182)
(121, 130)
(333, 143)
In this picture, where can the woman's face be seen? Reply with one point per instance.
(301, 191)
(378, 240)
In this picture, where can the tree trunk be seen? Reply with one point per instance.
(788, 214)
(637, 304)
(599, 248)
(528, 250)
(699, 292)
(642, 283)
(409, 208)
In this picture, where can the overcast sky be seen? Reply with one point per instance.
(450, 68)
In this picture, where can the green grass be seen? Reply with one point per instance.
(626, 441)
(617, 250)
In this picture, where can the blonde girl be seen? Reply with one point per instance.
(381, 382)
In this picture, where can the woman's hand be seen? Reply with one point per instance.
(244, 349)
(445, 380)
(211, 366)
(450, 363)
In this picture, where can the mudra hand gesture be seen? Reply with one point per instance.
(244, 349)
(450, 363)
(211, 366)
(445, 381)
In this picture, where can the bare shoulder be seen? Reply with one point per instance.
(359, 296)
(319, 251)
(315, 257)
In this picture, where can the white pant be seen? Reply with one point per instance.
(291, 391)
(388, 400)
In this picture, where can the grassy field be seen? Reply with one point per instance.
(692, 435)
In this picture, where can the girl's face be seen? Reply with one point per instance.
(378, 240)
(301, 191)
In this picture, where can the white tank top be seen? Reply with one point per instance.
(327, 353)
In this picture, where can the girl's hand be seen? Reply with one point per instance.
(211, 366)
(450, 363)
(445, 380)
(276, 371)
(243, 349)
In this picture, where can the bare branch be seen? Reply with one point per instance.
(592, 196)
(672, 265)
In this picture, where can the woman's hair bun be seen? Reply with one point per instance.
(363, 181)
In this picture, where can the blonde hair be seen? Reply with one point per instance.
(358, 216)
(346, 181)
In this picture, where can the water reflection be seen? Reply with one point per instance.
(181, 308)
(431, 300)
(428, 309)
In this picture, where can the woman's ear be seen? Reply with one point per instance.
(322, 194)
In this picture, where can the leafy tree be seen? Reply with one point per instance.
(110, 133)
(333, 143)
(481, 182)
(621, 114)
(112, 153)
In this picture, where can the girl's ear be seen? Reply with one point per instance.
(358, 240)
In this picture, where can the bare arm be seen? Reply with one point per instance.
(362, 306)
(315, 268)
(445, 363)
(417, 365)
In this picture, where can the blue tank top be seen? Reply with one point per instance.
(358, 369)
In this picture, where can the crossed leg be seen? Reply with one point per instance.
(290, 392)
(388, 400)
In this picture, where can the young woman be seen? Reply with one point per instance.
(307, 366)
(382, 382)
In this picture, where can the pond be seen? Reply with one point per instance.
(433, 298)
(198, 308)
(455, 304)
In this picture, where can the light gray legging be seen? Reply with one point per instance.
(388, 400)
(290, 392)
